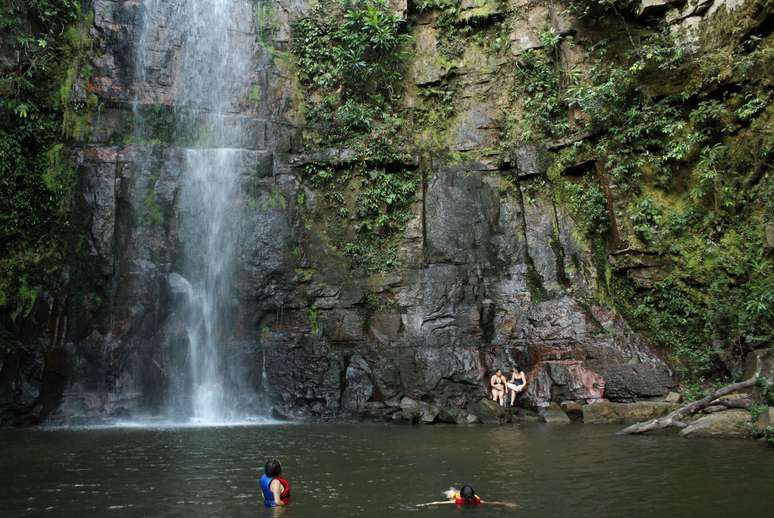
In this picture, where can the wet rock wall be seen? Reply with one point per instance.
(491, 273)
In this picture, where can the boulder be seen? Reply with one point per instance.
(729, 424)
(456, 416)
(489, 412)
(573, 409)
(673, 397)
(553, 414)
(759, 363)
(628, 383)
(765, 419)
(418, 411)
(625, 413)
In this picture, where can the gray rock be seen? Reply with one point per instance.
(418, 411)
(529, 161)
(475, 127)
(359, 388)
(553, 414)
(732, 424)
(573, 409)
(525, 31)
(759, 363)
(627, 383)
(765, 419)
(489, 412)
(428, 65)
(385, 326)
(673, 397)
(625, 413)
(456, 416)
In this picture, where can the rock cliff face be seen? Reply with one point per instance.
(490, 273)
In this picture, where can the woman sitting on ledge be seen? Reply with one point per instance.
(517, 383)
(498, 382)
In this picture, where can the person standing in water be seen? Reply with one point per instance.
(517, 383)
(498, 387)
(275, 489)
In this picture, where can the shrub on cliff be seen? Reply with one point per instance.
(35, 177)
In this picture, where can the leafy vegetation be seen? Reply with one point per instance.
(350, 59)
(42, 42)
(351, 56)
(687, 140)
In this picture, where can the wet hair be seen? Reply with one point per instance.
(272, 468)
(468, 494)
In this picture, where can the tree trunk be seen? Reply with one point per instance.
(676, 418)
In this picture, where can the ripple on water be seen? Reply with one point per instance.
(386, 471)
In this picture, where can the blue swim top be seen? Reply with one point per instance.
(268, 496)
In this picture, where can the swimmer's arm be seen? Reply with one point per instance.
(504, 504)
(276, 490)
(436, 503)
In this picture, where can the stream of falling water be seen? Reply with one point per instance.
(212, 56)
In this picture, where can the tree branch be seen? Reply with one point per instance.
(676, 418)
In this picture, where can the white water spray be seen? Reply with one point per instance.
(210, 68)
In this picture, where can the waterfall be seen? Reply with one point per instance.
(208, 51)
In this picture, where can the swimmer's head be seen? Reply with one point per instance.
(515, 368)
(272, 468)
(467, 493)
(499, 372)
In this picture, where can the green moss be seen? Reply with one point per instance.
(36, 172)
(273, 200)
(255, 94)
(305, 274)
(153, 213)
(314, 324)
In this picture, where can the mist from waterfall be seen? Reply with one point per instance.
(209, 84)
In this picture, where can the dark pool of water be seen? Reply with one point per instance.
(375, 470)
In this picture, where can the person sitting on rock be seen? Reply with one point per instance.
(517, 383)
(275, 489)
(498, 382)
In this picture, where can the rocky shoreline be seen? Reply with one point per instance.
(737, 415)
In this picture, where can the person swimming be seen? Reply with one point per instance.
(275, 489)
(465, 496)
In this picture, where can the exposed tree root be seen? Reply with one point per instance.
(676, 418)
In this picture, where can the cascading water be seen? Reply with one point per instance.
(210, 81)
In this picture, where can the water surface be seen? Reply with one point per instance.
(380, 470)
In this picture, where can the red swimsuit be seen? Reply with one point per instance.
(461, 501)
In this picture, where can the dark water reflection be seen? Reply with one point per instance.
(373, 470)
